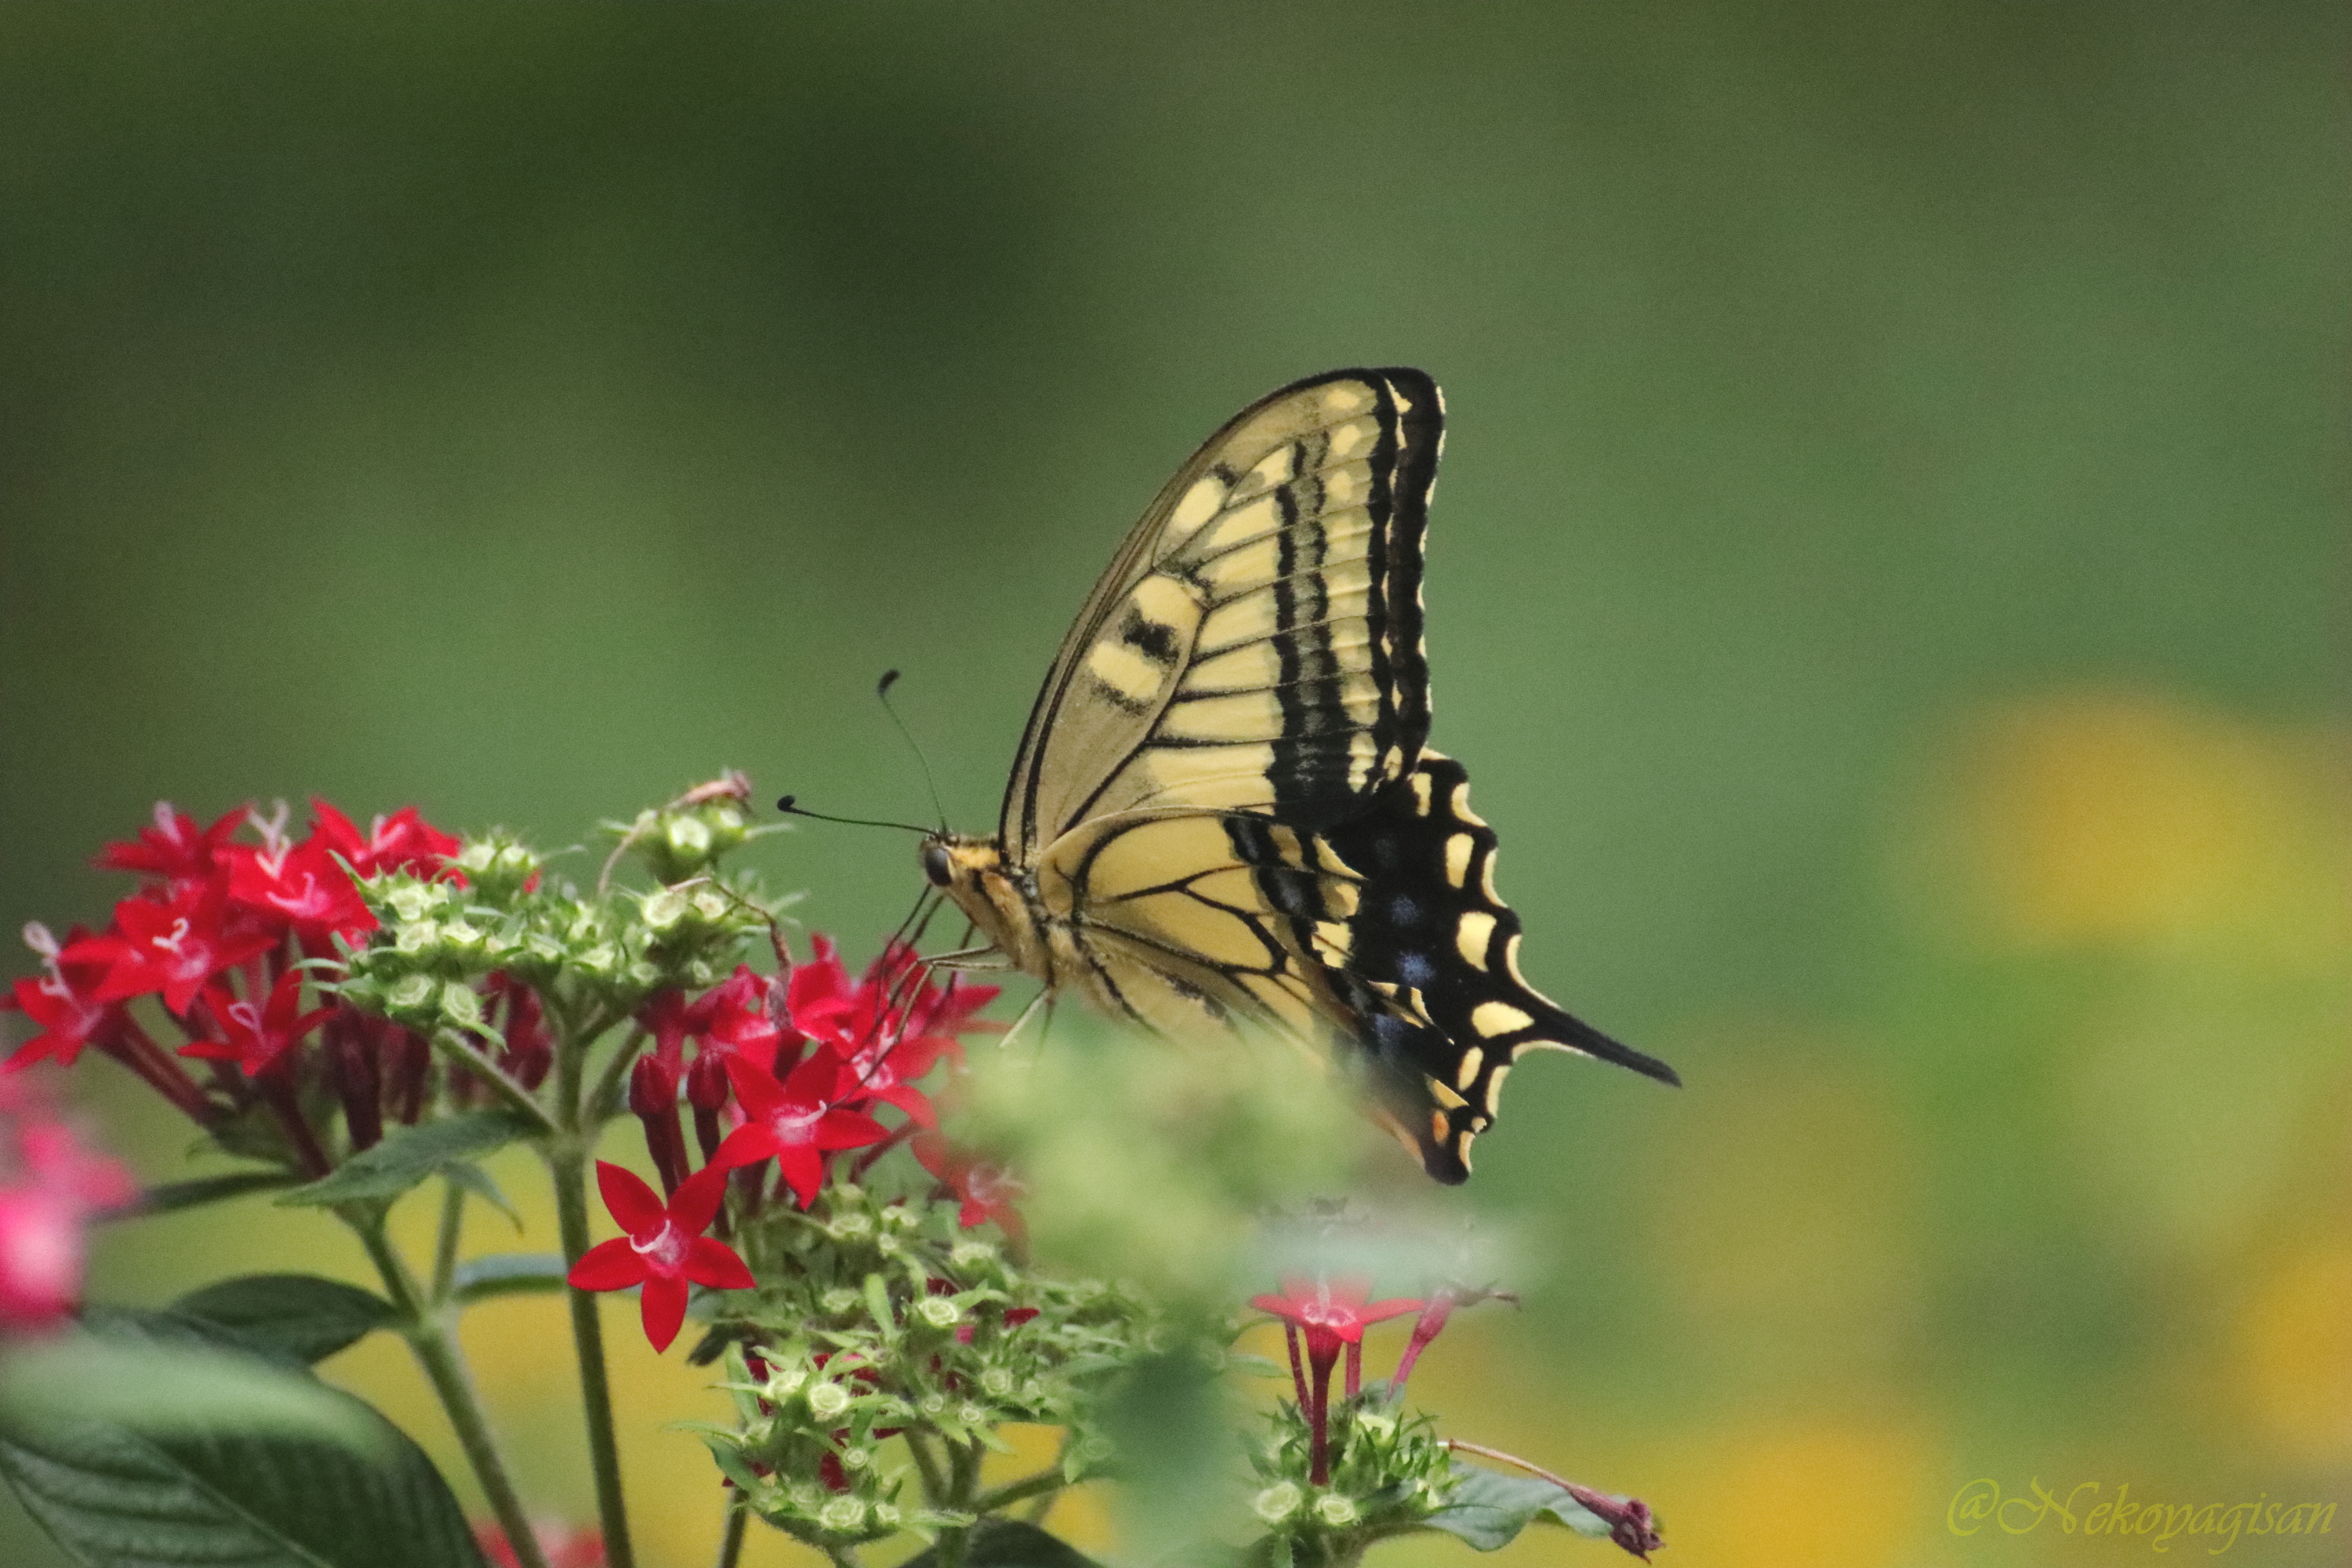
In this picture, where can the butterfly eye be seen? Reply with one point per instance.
(935, 864)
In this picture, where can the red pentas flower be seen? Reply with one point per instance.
(173, 945)
(1331, 1315)
(256, 1037)
(298, 886)
(986, 1190)
(63, 1003)
(175, 849)
(665, 1249)
(403, 841)
(889, 1013)
(797, 1122)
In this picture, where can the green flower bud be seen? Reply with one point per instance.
(665, 909)
(419, 936)
(688, 838)
(827, 1400)
(409, 993)
(413, 900)
(939, 1312)
(842, 1515)
(461, 1005)
(1334, 1510)
(1276, 1503)
(996, 1381)
(839, 1300)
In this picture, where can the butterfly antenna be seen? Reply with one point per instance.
(790, 806)
(882, 694)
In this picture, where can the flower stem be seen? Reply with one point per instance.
(1029, 1485)
(739, 1515)
(568, 1164)
(510, 1094)
(445, 1245)
(926, 1465)
(436, 1347)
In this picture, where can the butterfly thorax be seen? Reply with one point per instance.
(1002, 905)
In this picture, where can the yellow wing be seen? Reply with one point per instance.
(1257, 643)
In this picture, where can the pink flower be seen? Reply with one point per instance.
(51, 1188)
(257, 1038)
(664, 1249)
(797, 1122)
(175, 946)
(563, 1545)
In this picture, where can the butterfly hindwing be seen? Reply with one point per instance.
(1426, 959)
(1257, 643)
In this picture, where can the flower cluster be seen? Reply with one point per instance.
(878, 1317)
(862, 1309)
(789, 1072)
(226, 933)
(50, 1188)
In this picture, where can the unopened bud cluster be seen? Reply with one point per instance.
(876, 1318)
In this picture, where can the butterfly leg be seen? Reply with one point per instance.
(1044, 999)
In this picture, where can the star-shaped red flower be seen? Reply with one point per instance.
(256, 1038)
(797, 1122)
(665, 1249)
(175, 849)
(401, 842)
(1332, 1312)
(64, 1005)
(298, 887)
(887, 1014)
(987, 1191)
(173, 945)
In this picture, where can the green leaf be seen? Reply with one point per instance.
(175, 1195)
(165, 1441)
(408, 1156)
(303, 1315)
(1488, 1509)
(507, 1274)
(476, 1181)
(1009, 1543)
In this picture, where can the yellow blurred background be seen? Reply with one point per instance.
(1887, 585)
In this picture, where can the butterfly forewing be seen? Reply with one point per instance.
(1257, 643)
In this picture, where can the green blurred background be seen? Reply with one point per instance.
(1886, 583)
